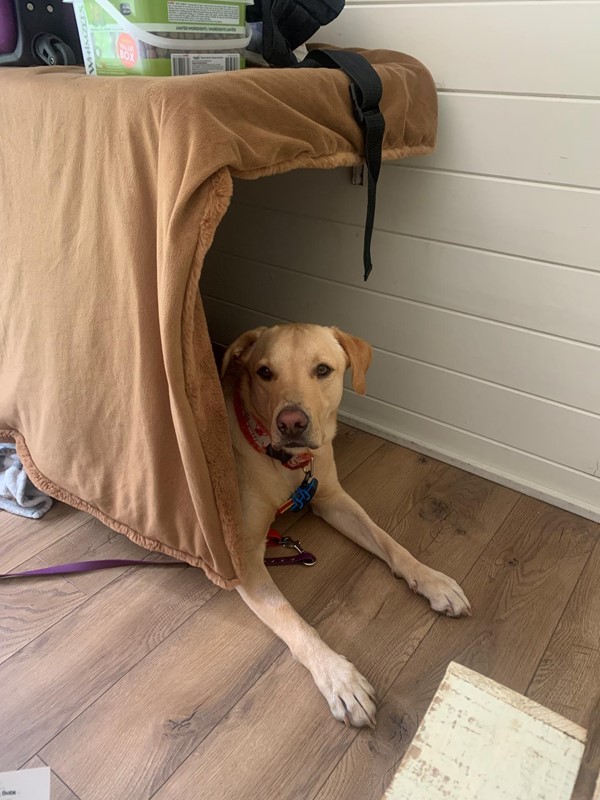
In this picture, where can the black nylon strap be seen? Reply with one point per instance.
(365, 92)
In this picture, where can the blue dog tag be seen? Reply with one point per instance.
(304, 493)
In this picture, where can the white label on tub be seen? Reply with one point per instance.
(199, 65)
(212, 13)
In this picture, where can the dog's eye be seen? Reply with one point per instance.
(323, 371)
(264, 373)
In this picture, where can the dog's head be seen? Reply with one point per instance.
(293, 379)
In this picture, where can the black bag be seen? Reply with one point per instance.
(37, 32)
(287, 24)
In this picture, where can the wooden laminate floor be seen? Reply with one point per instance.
(142, 683)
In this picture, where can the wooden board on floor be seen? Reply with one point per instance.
(479, 739)
(568, 677)
(29, 606)
(352, 448)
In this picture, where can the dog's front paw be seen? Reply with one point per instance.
(444, 593)
(350, 696)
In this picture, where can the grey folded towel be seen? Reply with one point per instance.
(18, 495)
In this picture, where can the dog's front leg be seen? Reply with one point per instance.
(337, 508)
(349, 694)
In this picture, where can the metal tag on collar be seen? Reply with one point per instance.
(308, 469)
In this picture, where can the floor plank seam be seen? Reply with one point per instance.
(115, 683)
(529, 685)
(575, 587)
(428, 633)
(18, 567)
(319, 788)
(497, 532)
(366, 458)
(283, 653)
(270, 666)
(62, 780)
(85, 598)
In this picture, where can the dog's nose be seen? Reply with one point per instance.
(292, 421)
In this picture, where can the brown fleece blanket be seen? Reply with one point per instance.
(111, 190)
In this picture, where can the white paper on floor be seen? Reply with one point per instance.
(26, 784)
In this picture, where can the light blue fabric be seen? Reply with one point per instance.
(18, 495)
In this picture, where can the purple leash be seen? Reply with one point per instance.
(301, 557)
(89, 566)
(304, 557)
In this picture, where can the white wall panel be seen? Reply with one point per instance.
(528, 48)
(526, 293)
(549, 139)
(548, 223)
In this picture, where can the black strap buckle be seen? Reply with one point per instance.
(357, 100)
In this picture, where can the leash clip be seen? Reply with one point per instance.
(275, 539)
(294, 544)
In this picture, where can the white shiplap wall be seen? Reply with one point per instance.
(484, 302)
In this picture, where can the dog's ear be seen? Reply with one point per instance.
(241, 345)
(359, 355)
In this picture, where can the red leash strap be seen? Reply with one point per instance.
(274, 538)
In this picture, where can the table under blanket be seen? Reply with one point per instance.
(111, 190)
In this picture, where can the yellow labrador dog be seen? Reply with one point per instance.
(283, 386)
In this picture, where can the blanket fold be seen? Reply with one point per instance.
(112, 189)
